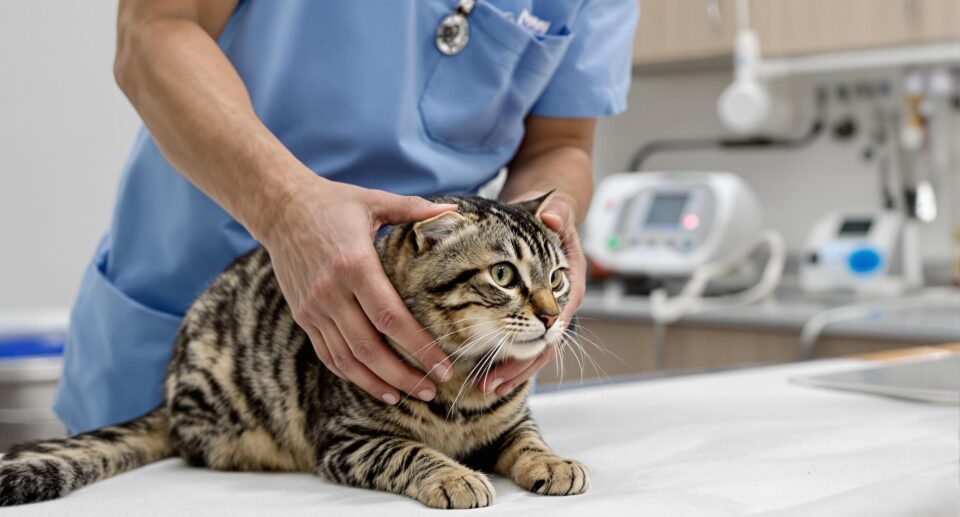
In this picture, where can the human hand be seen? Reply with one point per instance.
(559, 217)
(321, 243)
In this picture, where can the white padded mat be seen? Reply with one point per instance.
(744, 442)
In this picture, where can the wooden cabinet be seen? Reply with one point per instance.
(681, 30)
(793, 27)
(672, 31)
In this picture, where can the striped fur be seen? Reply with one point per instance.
(245, 391)
(48, 470)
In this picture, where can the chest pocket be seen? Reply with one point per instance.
(475, 101)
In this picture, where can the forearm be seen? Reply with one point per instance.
(200, 116)
(556, 154)
(566, 169)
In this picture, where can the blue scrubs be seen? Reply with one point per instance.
(360, 94)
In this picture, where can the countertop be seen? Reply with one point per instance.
(789, 309)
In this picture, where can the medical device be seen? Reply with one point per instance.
(746, 104)
(453, 32)
(865, 252)
(754, 102)
(699, 226)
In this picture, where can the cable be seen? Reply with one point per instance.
(699, 144)
(666, 310)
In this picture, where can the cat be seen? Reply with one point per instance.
(244, 389)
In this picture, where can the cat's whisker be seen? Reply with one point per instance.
(473, 342)
(493, 357)
(493, 361)
(577, 347)
(438, 339)
(490, 358)
(600, 372)
(484, 338)
(562, 348)
(565, 339)
(449, 324)
(469, 379)
(560, 351)
(453, 358)
(598, 346)
(566, 342)
(577, 332)
(470, 344)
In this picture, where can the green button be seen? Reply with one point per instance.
(613, 242)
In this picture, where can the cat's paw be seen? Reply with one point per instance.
(460, 489)
(550, 475)
(22, 483)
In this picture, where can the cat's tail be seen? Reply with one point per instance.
(40, 471)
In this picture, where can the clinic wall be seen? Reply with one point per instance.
(65, 130)
(795, 187)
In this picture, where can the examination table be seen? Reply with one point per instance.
(733, 443)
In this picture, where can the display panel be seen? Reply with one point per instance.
(666, 209)
(854, 227)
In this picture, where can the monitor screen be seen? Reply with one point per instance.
(666, 209)
(852, 227)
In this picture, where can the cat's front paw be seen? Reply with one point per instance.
(550, 475)
(456, 490)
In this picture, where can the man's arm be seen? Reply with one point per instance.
(199, 113)
(201, 117)
(555, 154)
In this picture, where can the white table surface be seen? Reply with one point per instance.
(736, 443)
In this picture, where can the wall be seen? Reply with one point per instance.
(795, 187)
(65, 130)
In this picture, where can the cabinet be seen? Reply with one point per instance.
(681, 30)
(792, 27)
(671, 31)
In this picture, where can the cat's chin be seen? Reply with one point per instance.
(527, 349)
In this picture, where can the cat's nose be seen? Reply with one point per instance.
(548, 318)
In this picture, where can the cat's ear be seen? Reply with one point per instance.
(535, 206)
(437, 229)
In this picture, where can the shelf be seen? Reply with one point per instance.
(914, 55)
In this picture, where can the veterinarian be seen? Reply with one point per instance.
(305, 126)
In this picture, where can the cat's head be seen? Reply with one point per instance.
(489, 277)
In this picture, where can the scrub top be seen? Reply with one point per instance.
(359, 92)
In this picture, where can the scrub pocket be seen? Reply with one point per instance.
(116, 355)
(475, 101)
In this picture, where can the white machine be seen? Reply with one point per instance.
(754, 103)
(865, 252)
(669, 224)
(695, 225)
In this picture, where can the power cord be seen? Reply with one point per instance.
(762, 142)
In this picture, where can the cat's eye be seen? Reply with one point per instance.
(504, 274)
(556, 279)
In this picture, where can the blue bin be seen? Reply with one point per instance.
(30, 368)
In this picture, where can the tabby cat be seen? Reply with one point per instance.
(245, 391)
